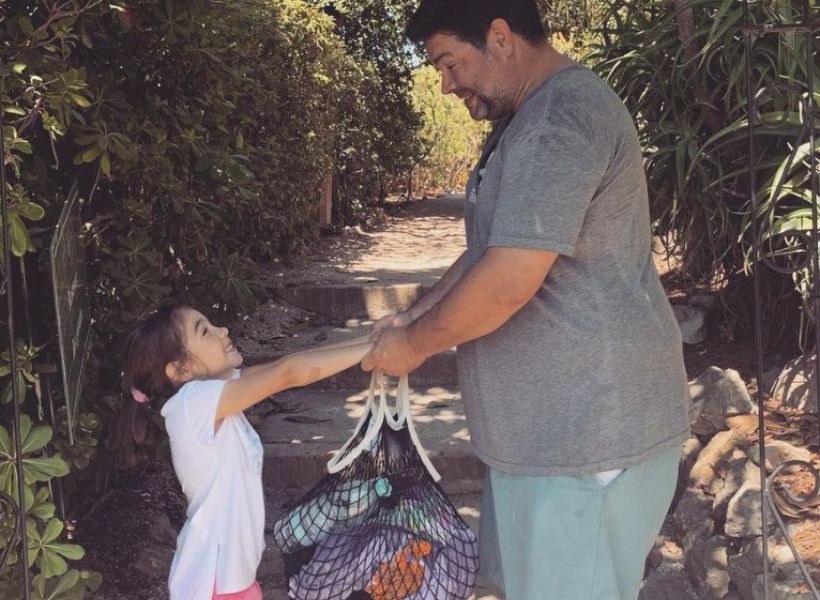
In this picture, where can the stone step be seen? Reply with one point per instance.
(298, 444)
(341, 302)
(441, 369)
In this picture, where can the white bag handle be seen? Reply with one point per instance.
(396, 418)
(405, 417)
(373, 409)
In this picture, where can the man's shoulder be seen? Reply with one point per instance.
(574, 98)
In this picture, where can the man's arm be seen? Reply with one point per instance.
(440, 289)
(430, 299)
(484, 298)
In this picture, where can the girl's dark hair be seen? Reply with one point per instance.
(469, 20)
(158, 339)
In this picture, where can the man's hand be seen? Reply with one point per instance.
(394, 354)
(400, 320)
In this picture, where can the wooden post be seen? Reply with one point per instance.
(326, 203)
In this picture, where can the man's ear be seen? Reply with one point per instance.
(500, 37)
(178, 372)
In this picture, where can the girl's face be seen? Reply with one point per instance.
(211, 353)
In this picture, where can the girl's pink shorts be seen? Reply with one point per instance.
(252, 593)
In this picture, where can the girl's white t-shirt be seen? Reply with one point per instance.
(221, 544)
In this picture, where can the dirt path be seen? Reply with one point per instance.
(417, 245)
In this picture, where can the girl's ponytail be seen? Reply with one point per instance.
(156, 341)
(132, 434)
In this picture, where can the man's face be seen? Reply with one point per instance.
(476, 76)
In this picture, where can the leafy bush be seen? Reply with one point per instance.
(378, 124)
(680, 67)
(572, 25)
(452, 139)
(52, 579)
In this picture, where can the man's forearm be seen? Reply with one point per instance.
(470, 310)
(483, 299)
(440, 289)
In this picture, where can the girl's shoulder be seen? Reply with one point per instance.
(198, 390)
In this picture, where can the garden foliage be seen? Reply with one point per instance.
(681, 69)
(451, 139)
(378, 124)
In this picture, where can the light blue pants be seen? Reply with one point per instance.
(571, 538)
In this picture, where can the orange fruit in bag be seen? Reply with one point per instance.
(402, 575)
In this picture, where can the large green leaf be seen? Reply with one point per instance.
(36, 439)
(44, 469)
(53, 590)
(6, 444)
(49, 554)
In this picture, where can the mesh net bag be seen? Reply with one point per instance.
(378, 526)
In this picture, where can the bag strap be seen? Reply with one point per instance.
(397, 418)
(401, 417)
(373, 417)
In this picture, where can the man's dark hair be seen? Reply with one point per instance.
(469, 20)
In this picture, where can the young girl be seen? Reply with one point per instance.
(177, 354)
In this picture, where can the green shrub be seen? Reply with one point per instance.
(452, 139)
(378, 125)
(680, 68)
(46, 555)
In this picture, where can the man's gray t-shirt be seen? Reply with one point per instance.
(589, 375)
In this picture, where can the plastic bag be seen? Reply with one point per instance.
(378, 526)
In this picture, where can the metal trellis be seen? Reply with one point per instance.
(809, 244)
(21, 538)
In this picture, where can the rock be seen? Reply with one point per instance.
(746, 567)
(161, 531)
(717, 394)
(722, 392)
(154, 562)
(779, 452)
(666, 550)
(707, 567)
(786, 583)
(743, 513)
(795, 387)
(692, 518)
(691, 322)
(691, 450)
(726, 486)
(667, 584)
(705, 468)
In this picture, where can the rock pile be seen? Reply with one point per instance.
(714, 529)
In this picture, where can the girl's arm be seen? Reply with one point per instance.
(294, 370)
(352, 342)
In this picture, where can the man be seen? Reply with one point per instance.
(570, 358)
